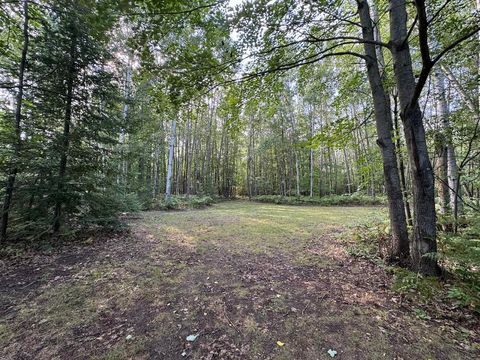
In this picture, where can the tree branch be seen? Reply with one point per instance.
(181, 12)
(455, 44)
(357, 39)
(427, 67)
(423, 32)
(437, 13)
(455, 191)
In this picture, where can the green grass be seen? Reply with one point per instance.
(248, 227)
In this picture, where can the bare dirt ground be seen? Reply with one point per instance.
(248, 281)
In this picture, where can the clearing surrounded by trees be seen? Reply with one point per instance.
(240, 179)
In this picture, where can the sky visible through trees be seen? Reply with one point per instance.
(111, 110)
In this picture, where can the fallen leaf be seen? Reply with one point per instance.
(279, 343)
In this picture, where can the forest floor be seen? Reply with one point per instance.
(247, 280)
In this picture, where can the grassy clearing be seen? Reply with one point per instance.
(240, 275)
(249, 228)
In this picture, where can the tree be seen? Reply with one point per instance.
(171, 146)
(17, 127)
(68, 123)
(383, 116)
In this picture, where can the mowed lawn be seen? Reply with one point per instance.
(241, 280)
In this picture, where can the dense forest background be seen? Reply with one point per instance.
(114, 106)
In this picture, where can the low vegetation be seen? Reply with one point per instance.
(458, 254)
(182, 202)
(328, 200)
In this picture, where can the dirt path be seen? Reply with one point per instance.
(238, 276)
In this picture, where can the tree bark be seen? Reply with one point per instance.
(155, 171)
(18, 118)
(347, 170)
(423, 247)
(312, 162)
(168, 187)
(401, 163)
(399, 248)
(443, 146)
(453, 171)
(57, 218)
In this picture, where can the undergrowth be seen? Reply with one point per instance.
(329, 200)
(458, 255)
(105, 218)
(49, 245)
(183, 202)
(370, 239)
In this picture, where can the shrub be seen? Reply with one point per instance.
(458, 255)
(370, 238)
(329, 200)
(182, 202)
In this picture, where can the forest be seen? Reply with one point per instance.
(232, 179)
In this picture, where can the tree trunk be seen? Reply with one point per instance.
(442, 143)
(347, 169)
(155, 171)
(441, 169)
(320, 173)
(423, 246)
(377, 37)
(168, 187)
(122, 176)
(453, 176)
(312, 165)
(312, 162)
(401, 163)
(66, 137)
(297, 174)
(399, 247)
(371, 172)
(18, 118)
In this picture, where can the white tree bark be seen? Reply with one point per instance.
(442, 144)
(168, 190)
